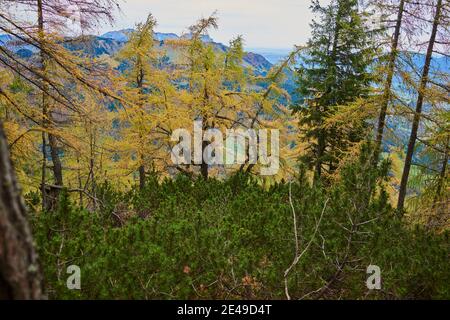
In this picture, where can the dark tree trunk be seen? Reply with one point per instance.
(57, 167)
(417, 114)
(204, 165)
(44, 173)
(49, 195)
(141, 177)
(45, 202)
(388, 84)
(320, 153)
(140, 85)
(442, 177)
(20, 276)
(80, 184)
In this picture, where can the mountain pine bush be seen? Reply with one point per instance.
(233, 239)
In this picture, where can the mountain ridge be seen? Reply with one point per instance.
(257, 61)
(111, 42)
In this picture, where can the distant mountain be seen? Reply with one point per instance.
(438, 63)
(204, 38)
(121, 35)
(273, 55)
(110, 42)
(5, 38)
(94, 45)
(259, 59)
(256, 61)
(17, 46)
(165, 36)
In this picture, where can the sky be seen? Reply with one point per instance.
(275, 24)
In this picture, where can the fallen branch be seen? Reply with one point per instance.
(75, 190)
(298, 255)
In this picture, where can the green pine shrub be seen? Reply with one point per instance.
(233, 239)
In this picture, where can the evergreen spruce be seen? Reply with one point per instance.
(334, 72)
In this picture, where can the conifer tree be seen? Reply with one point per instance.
(140, 54)
(389, 78)
(333, 72)
(440, 11)
(55, 70)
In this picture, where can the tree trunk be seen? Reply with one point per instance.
(57, 167)
(45, 203)
(442, 177)
(388, 83)
(141, 176)
(320, 153)
(92, 144)
(204, 165)
(80, 184)
(49, 195)
(417, 114)
(140, 85)
(20, 276)
(44, 172)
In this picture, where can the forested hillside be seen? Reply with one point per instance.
(169, 166)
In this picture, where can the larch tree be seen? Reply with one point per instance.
(440, 10)
(141, 57)
(225, 95)
(54, 72)
(390, 71)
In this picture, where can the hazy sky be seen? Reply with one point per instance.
(263, 23)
